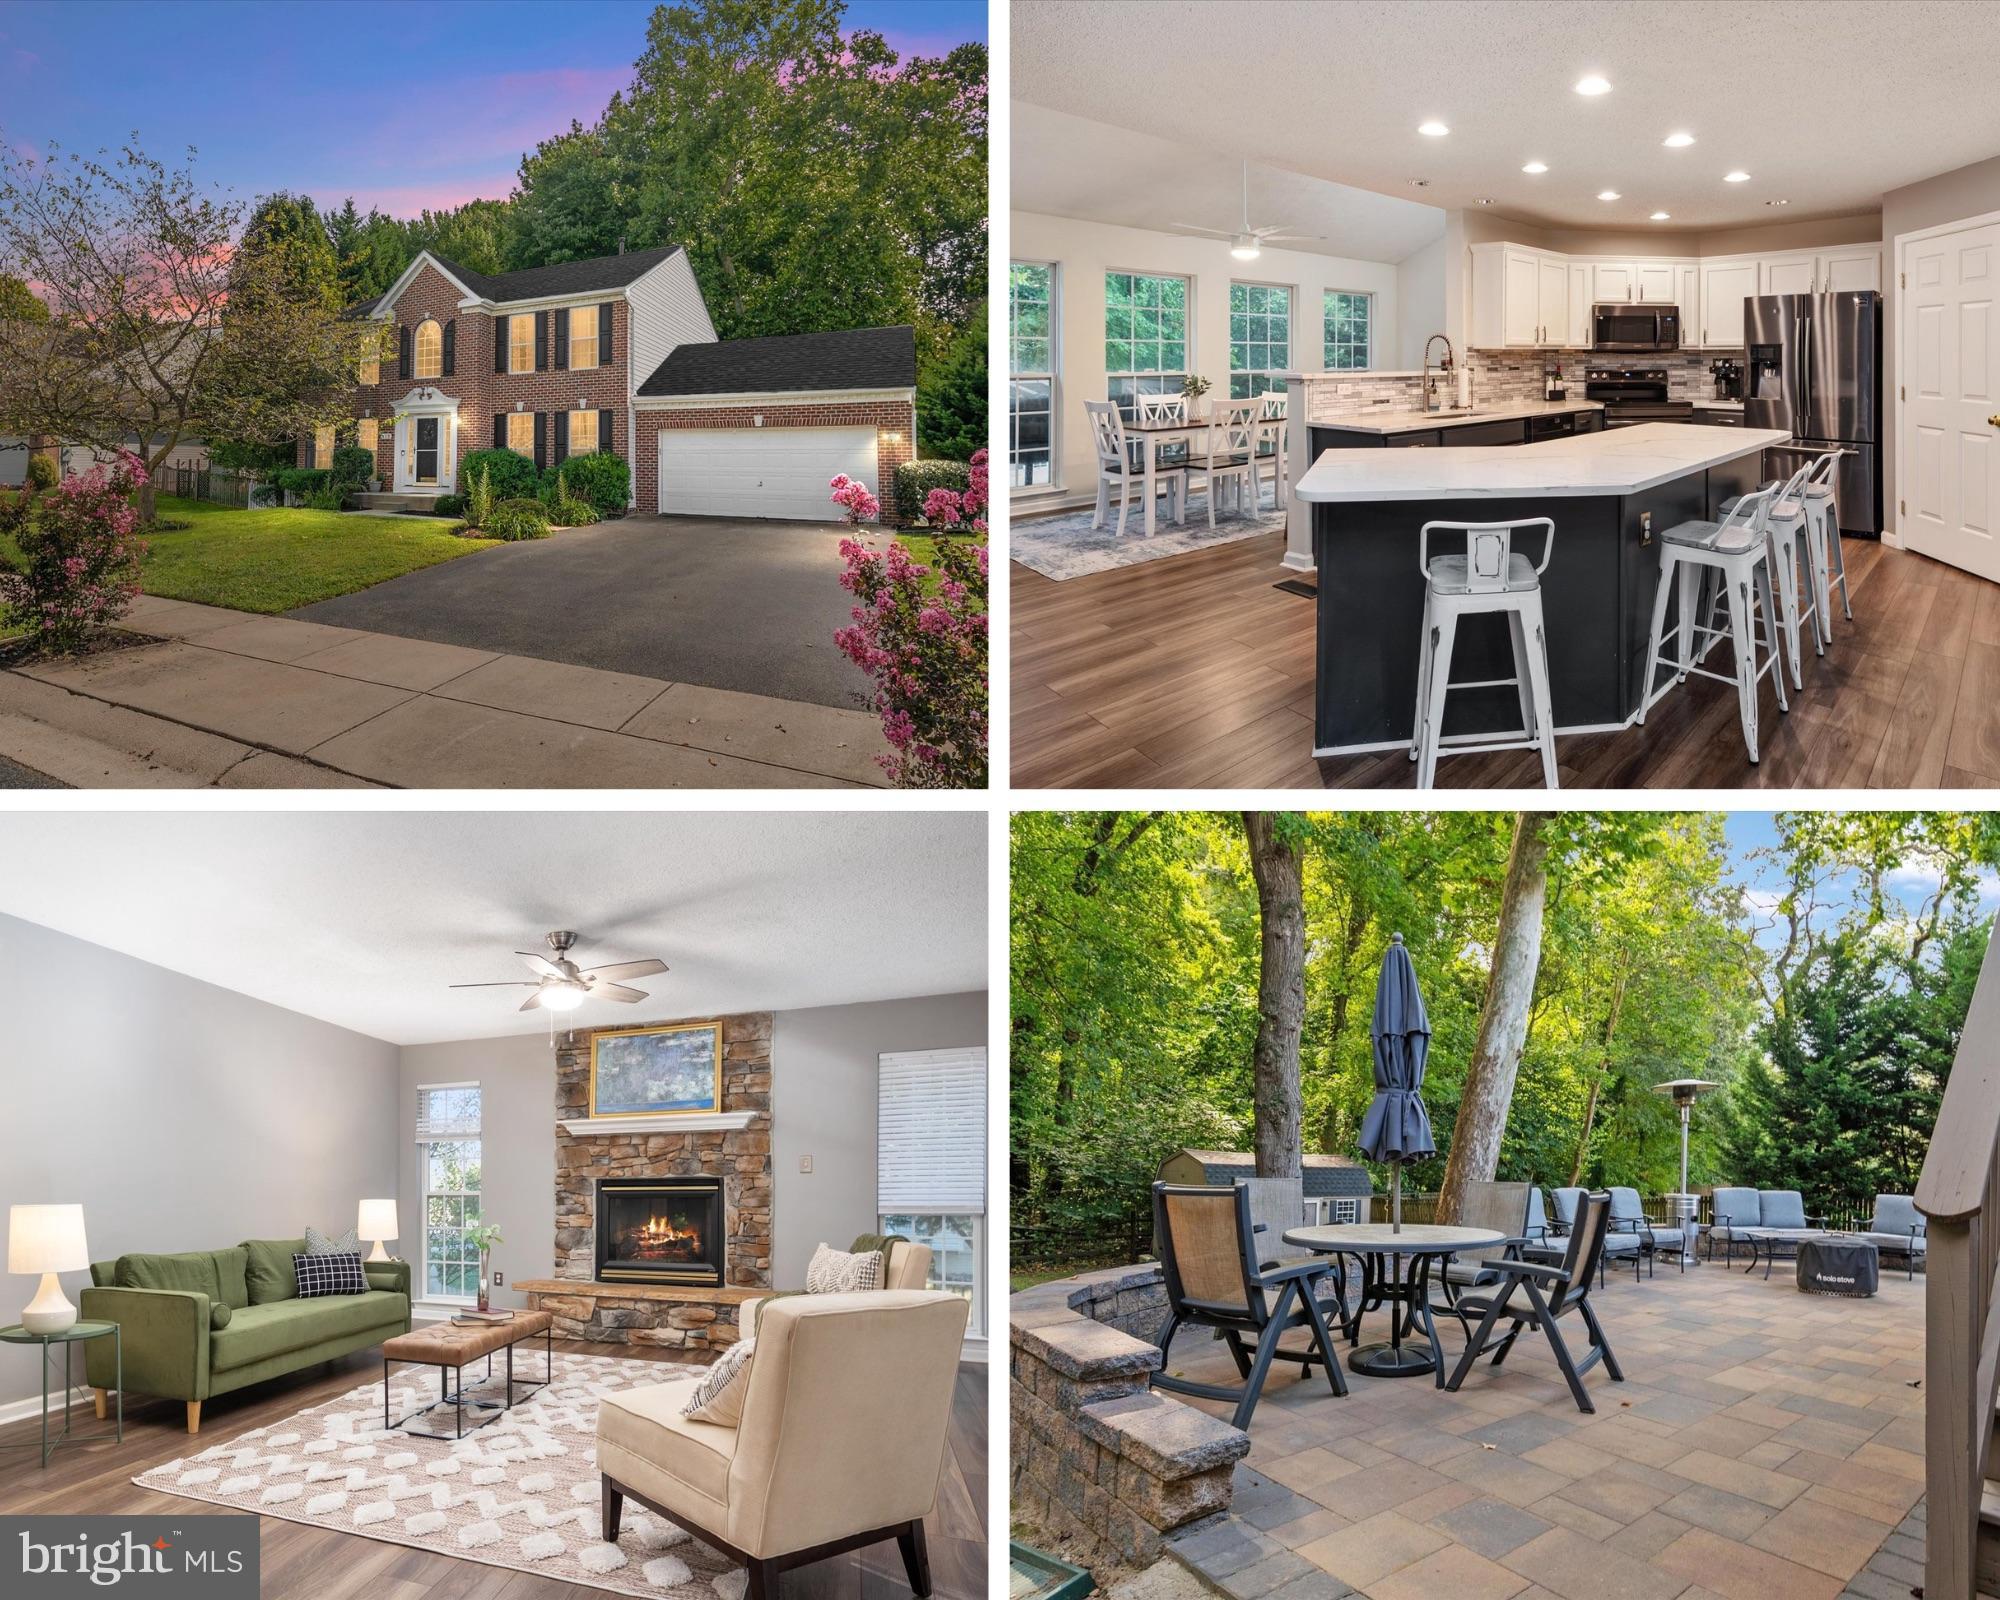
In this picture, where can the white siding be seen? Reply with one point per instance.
(667, 312)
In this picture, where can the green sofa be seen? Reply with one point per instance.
(205, 1322)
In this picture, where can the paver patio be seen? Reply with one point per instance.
(238, 700)
(1766, 1445)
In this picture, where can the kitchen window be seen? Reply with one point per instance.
(1145, 336)
(1349, 322)
(1260, 339)
(583, 338)
(521, 343)
(930, 1164)
(430, 349)
(448, 1146)
(1031, 353)
(521, 432)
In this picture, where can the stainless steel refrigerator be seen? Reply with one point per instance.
(1815, 370)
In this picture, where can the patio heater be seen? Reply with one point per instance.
(1685, 1092)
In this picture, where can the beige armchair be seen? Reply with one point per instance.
(908, 1267)
(842, 1440)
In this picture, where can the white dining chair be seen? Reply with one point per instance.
(1222, 457)
(1114, 466)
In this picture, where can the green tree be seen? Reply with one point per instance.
(19, 303)
(570, 204)
(951, 395)
(287, 233)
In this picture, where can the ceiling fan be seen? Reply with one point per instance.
(561, 985)
(1246, 243)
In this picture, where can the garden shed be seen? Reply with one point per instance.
(1327, 1179)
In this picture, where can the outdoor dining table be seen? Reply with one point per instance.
(1382, 1249)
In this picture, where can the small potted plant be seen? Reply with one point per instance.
(483, 1237)
(1193, 387)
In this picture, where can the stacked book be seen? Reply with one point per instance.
(472, 1319)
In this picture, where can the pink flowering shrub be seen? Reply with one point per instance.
(861, 505)
(925, 644)
(82, 561)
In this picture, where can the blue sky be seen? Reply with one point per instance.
(401, 105)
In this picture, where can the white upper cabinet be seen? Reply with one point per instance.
(1579, 305)
(1655, 280)
(1787, 275)
(1520, 297)
(1851, 268)
(1552, 299)
(1522, 322)
(1613, 280)
(1725, 285)
(1687, 295)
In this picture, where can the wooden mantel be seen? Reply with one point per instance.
(592, 1289)
(685, 1122)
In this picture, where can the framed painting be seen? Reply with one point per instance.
(656, 1072)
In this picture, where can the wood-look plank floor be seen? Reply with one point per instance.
(299, 1562)
(1195, 671)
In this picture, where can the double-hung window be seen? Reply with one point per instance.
(448, 1147)
(521, 342)
(1349, 321)
(1260, 338)
(583, 337)
(930, 1164)
(429, 349)
(1145, 336)
(1031, 355)
(521, 432)
(582, 432)
(367, 434)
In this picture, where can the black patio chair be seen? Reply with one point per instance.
(1209, 1252)
(1502, 1207)
(1550, 1294)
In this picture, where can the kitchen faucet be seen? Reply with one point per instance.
(1432, 402)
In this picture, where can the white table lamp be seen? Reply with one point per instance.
(378, 1222)
(48, 1240)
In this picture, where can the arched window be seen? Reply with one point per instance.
(430, 349)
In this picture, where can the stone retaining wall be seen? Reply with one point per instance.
(1097, 1459)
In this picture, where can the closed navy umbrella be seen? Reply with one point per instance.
(1397, 1128)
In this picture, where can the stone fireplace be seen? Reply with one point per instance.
(660, 1230)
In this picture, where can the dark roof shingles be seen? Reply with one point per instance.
(565, 277)
(859, 358)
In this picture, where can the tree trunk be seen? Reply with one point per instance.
(1597, 1082)
(1281, 996)
(1503, 1023)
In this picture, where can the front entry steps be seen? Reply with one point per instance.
(419, 501)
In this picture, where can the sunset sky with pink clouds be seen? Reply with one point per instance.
(400, 105)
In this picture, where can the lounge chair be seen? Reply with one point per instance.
(1544, 1243)
(1622, 1246)
(1898, 1225)
(1628, 1216)
(1210, 1256)
(1537, 1296)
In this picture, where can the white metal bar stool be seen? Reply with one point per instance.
(1823, 540)
(1787, 529)
(1738, 552)
(1490, 576)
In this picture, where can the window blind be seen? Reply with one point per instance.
(447, 1111)
(930, 1139)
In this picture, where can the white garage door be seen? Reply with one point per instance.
(762, 472)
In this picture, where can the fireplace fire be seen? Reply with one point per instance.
(661, 1230)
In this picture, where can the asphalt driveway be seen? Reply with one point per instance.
(716, 601)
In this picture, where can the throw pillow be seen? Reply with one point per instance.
(325, 1244)
(718, 1398)
(193, 1272)
(269, 1274)
(329, 1274)
(219, 1315)
(843, 1271)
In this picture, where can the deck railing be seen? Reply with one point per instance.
(1959, 1195)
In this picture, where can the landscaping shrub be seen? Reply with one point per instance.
(915, 479)
(448, 505)
(573, 513)
(328, 496)
(601, 478)
(301, 481)
(352, 464)
(516, 519)
(511, 474)
(479, 497)
(860, 504)
(80, 561)
(42, 474)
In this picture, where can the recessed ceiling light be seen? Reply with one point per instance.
(1607, 194)
(1418, 183)
(1486, 202)
(1678, 141)
(1659, 216)
(1434, 130)
(1536, 166)
(1592, 85)
(1777, 202)
(1736, 177)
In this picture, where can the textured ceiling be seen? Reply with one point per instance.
(363, 918)
(1825, 105)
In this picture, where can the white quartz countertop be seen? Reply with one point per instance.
(1718, 405)
(1616, 462)
(1381, 419)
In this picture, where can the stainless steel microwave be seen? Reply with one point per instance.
(1623, 326)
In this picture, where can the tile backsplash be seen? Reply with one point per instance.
(1508, 375)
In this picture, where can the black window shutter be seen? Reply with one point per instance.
(403, 351)
(499, 430)
(604, 334)
(541, 341)
(500, 329)
(603, 430)
(562, 434)
(562, 340)
(450, 343)
(541, 436)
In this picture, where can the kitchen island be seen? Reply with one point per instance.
(1609, 493)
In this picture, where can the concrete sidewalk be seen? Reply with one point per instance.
(243, 701)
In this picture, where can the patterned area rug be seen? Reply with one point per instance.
(1067, 546)
(522, 1492)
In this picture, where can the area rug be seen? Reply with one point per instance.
(521, 1492)
(1066, 546)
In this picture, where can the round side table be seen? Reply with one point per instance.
(75, 1334)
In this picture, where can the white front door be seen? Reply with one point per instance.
(762, 472)
(1949, 481)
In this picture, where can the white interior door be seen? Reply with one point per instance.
(762, 472)
(1950, 359)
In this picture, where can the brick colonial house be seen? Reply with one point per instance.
(618, 354)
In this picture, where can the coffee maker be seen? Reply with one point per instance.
(1728, 379)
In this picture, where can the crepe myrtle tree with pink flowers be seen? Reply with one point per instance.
(920, 632)
(80, 556)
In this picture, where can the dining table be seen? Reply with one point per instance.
(1383, 1248)
(1152, 436)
